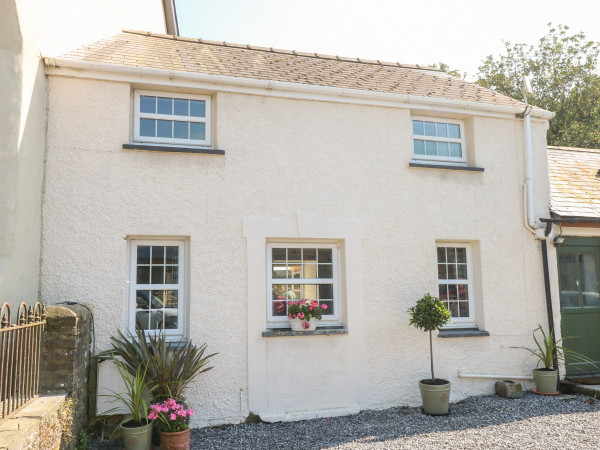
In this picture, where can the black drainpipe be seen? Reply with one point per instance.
(549, 300)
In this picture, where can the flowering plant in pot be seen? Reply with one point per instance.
(549, 354)
(429, 314)
(304, 314)
(170, 418)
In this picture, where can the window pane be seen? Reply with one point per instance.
(452, 271)
(325, 255)
(453, 307)
(441, 254)
(171, 275)
(430, 148)
(455, 150)
(279, 308)
(278, 255)
(443, 291)
(143, 254)
(569, 292)
(461, 272)
(197, 108)
(443, 149)
(309, 255)
(141, 299)
(463, 292)
(326, 292)
(442, 274)
(309, 271)
(198, 131)
(309, 291)
(180, 130)
(453, 131)
(181, 107)
(419, 147)
(147, 104)
(329, 311)
(429, 128)
(418, 127)
(172, 255)
(158, 254)
(172, 299)
(157, 300)
(148, 127)
(164, 128)
(461, 255)
(463, 309)
(589, 279)
(451, 252)
(441, 129)
(157, 274)
(294, 255)
(325, 271)
(165, 105)
(143, 275)
(452, 292)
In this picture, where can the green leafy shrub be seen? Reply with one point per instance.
(429, 314)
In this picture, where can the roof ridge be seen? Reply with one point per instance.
(283, 52)
(573, 149)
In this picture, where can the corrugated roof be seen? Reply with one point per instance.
(574, 181)
(157, 51)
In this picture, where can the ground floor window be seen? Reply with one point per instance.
(455, 281)
(157, 294)
(297, 271)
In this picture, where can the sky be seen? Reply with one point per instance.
(460, 33)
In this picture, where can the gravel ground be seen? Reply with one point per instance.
(540, 422)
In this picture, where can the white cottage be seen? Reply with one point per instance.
(191, 184)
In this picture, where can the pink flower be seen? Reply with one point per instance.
(290, 316)
(153, 415)
(190, 412)
(173, 416)
(324, 306)
(310, 307)
(301, 315)
(302, 301)
(306, 325)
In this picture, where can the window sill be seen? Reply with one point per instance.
(462, 332)
(322, 331)
(172, 149)
(445, 167)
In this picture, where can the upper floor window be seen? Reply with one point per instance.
(157, 294)
(455, 282)
(297, 271)
(163, 118)
(439, 140)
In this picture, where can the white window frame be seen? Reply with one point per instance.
(171, 334)
(283, 321)
(172, 141)
(439, 159)
(459, 322)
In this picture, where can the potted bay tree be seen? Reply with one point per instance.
(428, 314)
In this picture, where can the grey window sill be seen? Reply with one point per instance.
(171, 149)
(321, 331)
(445, 167)
(462, 332)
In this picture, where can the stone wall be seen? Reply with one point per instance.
(66, 357)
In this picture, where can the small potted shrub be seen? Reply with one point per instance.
(304, 314)
(429, 314)
(170, 419)
(549, 353)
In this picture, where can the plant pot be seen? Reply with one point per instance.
(136, 437)
(179, 440)
(546, 380)
(436, 397)
(298, 324)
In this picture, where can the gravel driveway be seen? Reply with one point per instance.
(540, 422)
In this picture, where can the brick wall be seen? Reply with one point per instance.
(66, 357)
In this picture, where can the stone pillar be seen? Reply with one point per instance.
(65, 361)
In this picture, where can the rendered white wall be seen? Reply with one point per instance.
(343, 162)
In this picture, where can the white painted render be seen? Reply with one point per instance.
(29, 28)
(297, 169)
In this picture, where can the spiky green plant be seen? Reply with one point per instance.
(171, 365)
(549, 353)
(429, 314)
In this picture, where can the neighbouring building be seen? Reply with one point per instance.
(575, 211)
(191, 185)
(29, 28)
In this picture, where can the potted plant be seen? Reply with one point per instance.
(305, 314)
(136, 427)
(429, 314)
(170, 418)
(549, 353)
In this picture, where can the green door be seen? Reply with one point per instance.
(579, 276)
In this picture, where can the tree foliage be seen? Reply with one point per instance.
(562, 69)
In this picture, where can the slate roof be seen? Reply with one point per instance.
(150, 50)
(574, 181)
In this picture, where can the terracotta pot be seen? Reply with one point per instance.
(179, 440)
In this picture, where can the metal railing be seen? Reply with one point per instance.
(20, 352)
